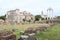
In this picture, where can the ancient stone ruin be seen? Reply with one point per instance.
(7, 35)
(29, 33)
(27, 37)
(38, 29)
(30, 30)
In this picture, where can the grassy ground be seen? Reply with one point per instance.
(18, 27)
(50, 34)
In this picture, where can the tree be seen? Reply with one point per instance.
(3, 17)
(24, 20)
(37, 17)
(58, 17)
(42, 18)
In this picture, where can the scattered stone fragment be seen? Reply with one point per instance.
(7, 35)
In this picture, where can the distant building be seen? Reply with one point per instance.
(43, 16)
(17, 16)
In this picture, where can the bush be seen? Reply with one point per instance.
(37, 17)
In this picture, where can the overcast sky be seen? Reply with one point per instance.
(33, 6)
